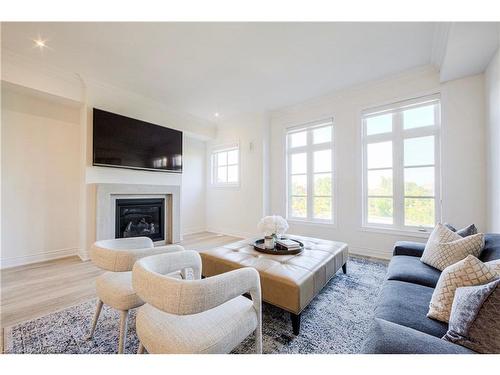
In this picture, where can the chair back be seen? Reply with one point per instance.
(118, 255)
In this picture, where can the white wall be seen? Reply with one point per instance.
(463, 159)
(195, 131)
(492, 89)
(193, 188)
(40, 166)
(237, 210)
(462, 153)
(21, 72)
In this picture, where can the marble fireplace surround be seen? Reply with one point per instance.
(107, 194)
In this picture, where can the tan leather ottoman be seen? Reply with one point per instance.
(287, 281)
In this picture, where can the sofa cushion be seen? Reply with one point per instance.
(407, 304)
(445, 247)
(389, 338)
(491, 250)
(409, 248)
(469, 271)
(474, 319)
(412, 270)
(464, 232)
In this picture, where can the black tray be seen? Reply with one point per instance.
(277, 250)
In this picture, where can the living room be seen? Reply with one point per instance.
(250, 187)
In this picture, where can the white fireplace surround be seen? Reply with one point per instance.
(107, 194)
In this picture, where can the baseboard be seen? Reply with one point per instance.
(232, 233)
(370, 252)
(36, 258)
(193, 230)
(83, 255)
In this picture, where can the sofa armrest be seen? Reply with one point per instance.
(414, 249)
(386, 337)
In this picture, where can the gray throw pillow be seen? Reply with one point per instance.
(474, 320)
(464, 232)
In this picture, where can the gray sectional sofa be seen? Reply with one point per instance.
(401, 324)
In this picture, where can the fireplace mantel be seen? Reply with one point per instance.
(108, 193)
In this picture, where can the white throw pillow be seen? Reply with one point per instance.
(445, 247)
(468, 272)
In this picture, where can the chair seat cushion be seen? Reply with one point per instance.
(412, 270)
(115, 290)
(218, 330)
(407, 304)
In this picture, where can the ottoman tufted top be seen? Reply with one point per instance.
(287, 281)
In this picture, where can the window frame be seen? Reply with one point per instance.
(397, 136)
(309, 149)
(214, 166)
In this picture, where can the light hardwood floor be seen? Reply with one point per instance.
(35, 290)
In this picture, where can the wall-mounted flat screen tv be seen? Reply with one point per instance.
(124, 142)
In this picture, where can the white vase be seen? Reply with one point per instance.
(269, 242)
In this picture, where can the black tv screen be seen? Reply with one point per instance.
(124, 142)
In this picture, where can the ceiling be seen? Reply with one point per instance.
(229, 68)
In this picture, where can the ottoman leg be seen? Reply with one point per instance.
(295, 323)
(344, 268)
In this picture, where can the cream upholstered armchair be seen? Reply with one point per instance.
(114, 288)
(195, 316)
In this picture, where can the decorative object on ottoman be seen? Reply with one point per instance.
(469, 230)
(273, 226)
(288, 281)
(445, 247)
(281, 247)
(474, 319)
(468, 272)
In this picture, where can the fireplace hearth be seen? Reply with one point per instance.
(140, 217)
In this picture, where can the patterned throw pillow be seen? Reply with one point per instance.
(468, 272)
(445, 247)
(474, 320)
(494, 265)
(464, 232)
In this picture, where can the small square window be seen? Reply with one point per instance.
(225, 167)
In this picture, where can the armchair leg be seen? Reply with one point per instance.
(140, 350)
(344, 268)
(258, 338)
(96, 317)
(123, 331)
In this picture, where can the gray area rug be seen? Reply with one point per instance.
(336, 321)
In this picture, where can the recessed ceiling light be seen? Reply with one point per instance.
(40, 43)
(216, 114)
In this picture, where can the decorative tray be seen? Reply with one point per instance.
(278, 249)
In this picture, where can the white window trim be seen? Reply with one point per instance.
(213, 169)
(310, 148)
(398, 135)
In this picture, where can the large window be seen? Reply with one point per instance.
(310, 172)
(225, 166)
(401, 165)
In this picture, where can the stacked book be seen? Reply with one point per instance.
(288, 244)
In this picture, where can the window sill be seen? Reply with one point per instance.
(225, 186)
(325, 224)
(397, 232)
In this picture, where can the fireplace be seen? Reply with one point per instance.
(140, 217)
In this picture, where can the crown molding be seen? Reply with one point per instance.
(442, 32)
(342, 93)
(26, 72)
